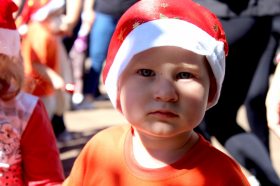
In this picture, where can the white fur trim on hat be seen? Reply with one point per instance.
(167, 32)
(9, 42)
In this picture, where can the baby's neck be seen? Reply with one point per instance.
(161, 152)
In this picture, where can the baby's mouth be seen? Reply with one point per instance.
(164, 113)
(4, 86)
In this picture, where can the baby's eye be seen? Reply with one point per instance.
(145, 72)
(183, 75)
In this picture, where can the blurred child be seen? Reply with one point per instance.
(28, 151)
(164, 69)
(45, 58)
(41, 53)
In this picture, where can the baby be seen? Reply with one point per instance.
(165, 68)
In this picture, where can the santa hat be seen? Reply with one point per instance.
(154, 23)
(37, 10)
(9, 36)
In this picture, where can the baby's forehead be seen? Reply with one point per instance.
(166, 53)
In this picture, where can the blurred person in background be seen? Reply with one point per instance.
(255, 100)
(45, 59)
(28, 150)
(248, 26)
(99, 19)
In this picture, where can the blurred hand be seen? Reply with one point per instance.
(273, 113)
(272, 103)
(58, 83)
(66, 27)
(80, 44)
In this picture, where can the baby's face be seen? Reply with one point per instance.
(164, 91)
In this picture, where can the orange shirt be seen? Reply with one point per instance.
(39, 47)
(106, 160)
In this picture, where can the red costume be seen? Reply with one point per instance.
(36, 52)
(39, 48)
(28, 151)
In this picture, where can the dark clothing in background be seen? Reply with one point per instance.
(113, 7)
(243, 8)
(255, 101)
(248, 25)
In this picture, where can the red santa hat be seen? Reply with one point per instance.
(37, 10)
(154, 23)
(9, 36)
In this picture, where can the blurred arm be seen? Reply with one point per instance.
(273, 103)
(73, 12)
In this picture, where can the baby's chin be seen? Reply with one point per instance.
(163, 130)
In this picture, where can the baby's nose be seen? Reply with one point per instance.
(165, 90)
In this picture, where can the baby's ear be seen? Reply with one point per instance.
(212, 87)
(118, 102)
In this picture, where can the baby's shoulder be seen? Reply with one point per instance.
(213, 155)
(110, 133)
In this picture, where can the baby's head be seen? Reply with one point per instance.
(159, 23)
(11, 67)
